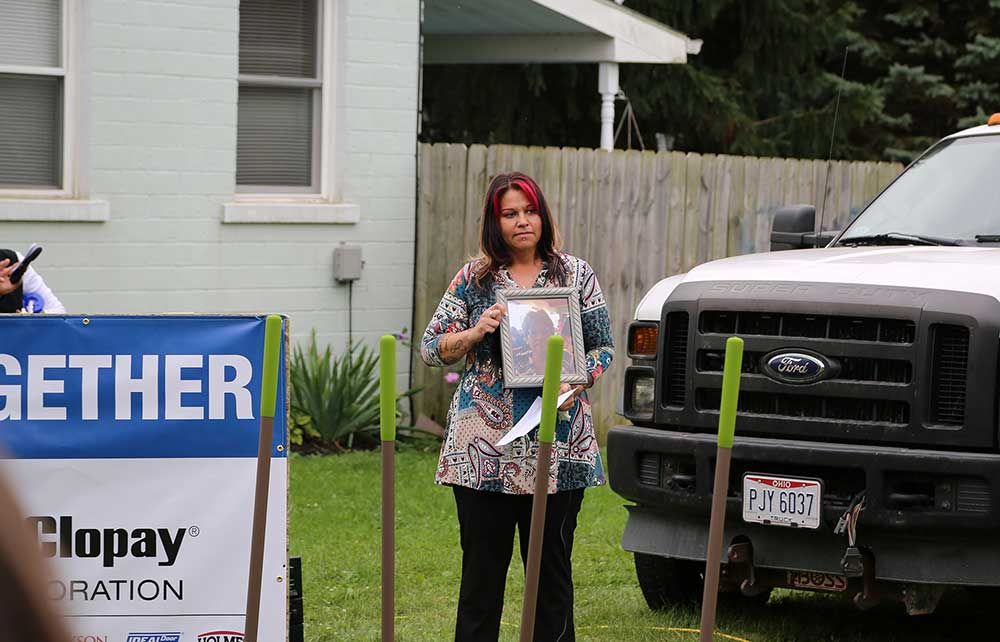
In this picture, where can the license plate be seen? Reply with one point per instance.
(782, 501)
(817, 581)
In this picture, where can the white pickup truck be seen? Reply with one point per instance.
(867, 458)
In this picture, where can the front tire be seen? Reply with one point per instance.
(668, 581)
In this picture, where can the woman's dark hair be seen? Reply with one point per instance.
(12, 301)
(495, 253)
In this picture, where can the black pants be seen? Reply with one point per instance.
(486, 521)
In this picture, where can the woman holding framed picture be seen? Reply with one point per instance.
(493, 486)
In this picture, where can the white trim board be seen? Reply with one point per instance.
(616, 34)
(54, 210)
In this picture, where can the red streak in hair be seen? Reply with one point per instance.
(519, 184)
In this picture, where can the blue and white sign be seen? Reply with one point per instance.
(132, 442)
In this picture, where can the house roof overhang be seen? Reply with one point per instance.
(547, 31)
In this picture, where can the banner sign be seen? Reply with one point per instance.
(132, 445)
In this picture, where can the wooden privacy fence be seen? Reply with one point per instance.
(636, 217)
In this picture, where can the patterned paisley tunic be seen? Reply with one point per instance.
(482, 409)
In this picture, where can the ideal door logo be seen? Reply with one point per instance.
(220, 636)
(174, 636)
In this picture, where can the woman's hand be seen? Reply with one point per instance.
(6, 268)
(577, 391)
(454, 346)
(488, 322)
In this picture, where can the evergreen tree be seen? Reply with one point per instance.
(935, 65)
(764, 84)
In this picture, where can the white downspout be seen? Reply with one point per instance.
(607, 86)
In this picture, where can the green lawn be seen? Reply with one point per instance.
(334, 527)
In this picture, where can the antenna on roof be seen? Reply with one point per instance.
(829, 158)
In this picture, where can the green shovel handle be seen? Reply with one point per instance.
(272, 355)
(550, 389)
(730, 391)
(387, 387)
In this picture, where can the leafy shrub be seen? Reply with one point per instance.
(301, 431)
(335, 398)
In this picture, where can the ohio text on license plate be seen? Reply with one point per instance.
(783, 501)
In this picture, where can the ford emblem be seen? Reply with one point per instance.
(795, 367)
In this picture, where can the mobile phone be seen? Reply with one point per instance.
(29, 256)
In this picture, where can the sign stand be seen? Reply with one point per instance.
(268, 398)
(387, 389)
(727, 427)
(546, 435)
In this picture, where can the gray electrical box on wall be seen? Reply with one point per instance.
(347, 262)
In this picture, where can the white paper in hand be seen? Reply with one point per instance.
(531, 418)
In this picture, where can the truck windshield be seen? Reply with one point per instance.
(952, 192)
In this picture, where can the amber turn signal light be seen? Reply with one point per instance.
(642, 340)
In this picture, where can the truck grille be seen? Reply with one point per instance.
(851, 368)
(837, 328)
(832, 330)
(676, 366)
(649, 469)
(951, 364)
(905, 366)
(974, 496)
(874, 411)
(837, 338)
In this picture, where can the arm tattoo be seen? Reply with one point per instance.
(453, 350)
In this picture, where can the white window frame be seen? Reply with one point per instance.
(324, 205)
(67, 72)
(286, 82)
(69, 201)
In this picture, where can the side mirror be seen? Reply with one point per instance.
(794, 228)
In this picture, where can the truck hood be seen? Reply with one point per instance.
(960, 269)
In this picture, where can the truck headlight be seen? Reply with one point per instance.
(641, 399)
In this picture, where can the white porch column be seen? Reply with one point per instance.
(607, 86)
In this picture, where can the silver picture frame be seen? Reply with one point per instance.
(522, 366)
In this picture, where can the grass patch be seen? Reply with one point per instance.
(334, 527)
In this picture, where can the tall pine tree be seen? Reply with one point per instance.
(765, 82)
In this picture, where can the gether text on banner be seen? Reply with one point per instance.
(132, 444)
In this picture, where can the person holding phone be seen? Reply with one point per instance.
(29, 293)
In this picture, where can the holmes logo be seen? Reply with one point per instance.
(797, 367)
(220, 636)
(174, 636)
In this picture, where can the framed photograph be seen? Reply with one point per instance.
(534, 315)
